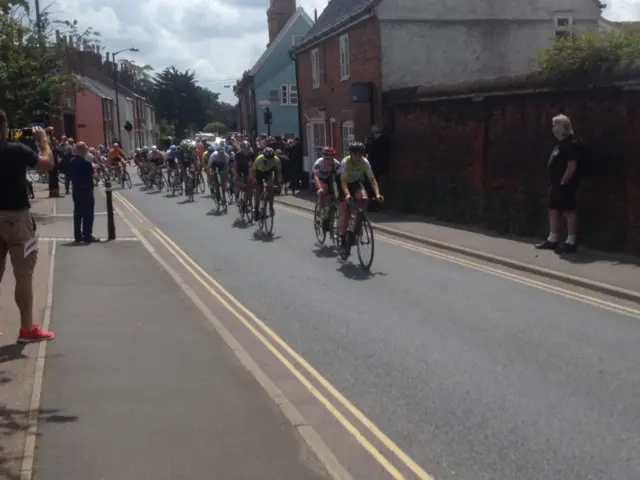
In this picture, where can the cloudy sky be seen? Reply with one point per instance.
(219, 39)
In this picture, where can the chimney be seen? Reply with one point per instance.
(278, 14)
(315, 14)
(98, 49)
(58, 36)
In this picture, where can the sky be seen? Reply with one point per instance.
(218, 39)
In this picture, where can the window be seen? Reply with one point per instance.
(296, 39)
(344, 57)
(288, 95)
(347, 136)
(563, 26)
(315, 68)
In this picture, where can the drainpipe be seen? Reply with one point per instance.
(302, 131)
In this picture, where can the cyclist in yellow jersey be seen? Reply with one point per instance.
(262, 170)
(353, 169)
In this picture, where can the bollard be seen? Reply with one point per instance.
(111, 225)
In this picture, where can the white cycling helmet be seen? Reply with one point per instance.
(154, 149)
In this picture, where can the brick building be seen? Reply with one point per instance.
(339, 77)
(358, 49)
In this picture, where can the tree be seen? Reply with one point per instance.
(215, 127)
(237, 88)
(585, 55)
(31, 82)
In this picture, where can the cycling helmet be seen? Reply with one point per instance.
(220, 148)
(268, 152)
(357, 147)
(145, 149)
(328, 151)
(154, 149)
(210, 148)
(173, 148)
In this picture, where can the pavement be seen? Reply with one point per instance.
(612, 274)
(195, 338)
(136, 383)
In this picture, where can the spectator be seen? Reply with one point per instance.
(295, 165)
(564, 179)
(80, 172)
(67, 154)
(54, 184)
(17, 227)
(378, 154)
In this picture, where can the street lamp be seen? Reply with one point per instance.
(116, 81)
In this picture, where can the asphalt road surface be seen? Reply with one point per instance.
(473, 375)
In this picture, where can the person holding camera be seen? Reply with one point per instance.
(18, 237)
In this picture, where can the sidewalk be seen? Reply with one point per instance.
(607, 273)
(136, 386)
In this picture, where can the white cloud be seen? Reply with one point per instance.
(219, 39)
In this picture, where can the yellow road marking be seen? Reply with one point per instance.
(588, 299)
(129, 206)
(199, 273)
(307, 384)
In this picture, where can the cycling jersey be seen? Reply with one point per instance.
(264, 164)
(353, 172)
(326, 171)
(115, 154)
(244, 159)
(219, 158)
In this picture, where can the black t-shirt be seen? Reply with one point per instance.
(566, 150)
(15, 159)
(243, 159)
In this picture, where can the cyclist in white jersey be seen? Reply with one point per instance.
(324, 173)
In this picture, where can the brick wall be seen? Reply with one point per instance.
(485, 162)
(333, 94)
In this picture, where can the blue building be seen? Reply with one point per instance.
(274, 74)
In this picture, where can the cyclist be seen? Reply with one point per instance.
(219, 164)
(263, 170)
(353, 169)
(188, 157)
(117, 159)
(324, 174)
(241, 165)
(156, 159)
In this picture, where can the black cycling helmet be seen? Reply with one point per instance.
(357, 147)
(268, 152)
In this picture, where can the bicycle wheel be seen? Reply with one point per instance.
(364, 241)
(201, 183)
(216, 196)
(321, 234)
(334, 221)
(268, 220)
(160, 181)
(192, 189)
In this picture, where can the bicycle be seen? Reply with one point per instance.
(216, 191)
(333, 220)
(125, 179)
(190, 184)
(265, 222)
(360, 234)
(245, 203)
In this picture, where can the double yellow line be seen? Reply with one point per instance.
(281, 350)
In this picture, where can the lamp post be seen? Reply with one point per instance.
(116, 82)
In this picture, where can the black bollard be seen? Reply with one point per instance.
(111, 224)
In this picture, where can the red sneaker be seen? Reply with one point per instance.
(36, 334)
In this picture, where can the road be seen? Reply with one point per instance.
(473, 375)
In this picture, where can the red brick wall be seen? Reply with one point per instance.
(485, 163)
(333, 94)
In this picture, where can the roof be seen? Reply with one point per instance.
(300, 13)
(93, 86)
(337, 14)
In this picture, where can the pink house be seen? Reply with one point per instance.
(94, 112)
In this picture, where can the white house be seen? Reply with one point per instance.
(456, 41)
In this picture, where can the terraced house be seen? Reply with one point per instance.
(359, 49)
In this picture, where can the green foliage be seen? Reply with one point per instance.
(240, 83)
(181, 102)
(590, 53)
(31, 83)
(215, 127)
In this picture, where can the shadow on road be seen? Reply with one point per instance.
(74, 244)
(153, 192)
(14, 351)
(325, 251)
(259, 236)
(185, 201)
(240, 223)
(355, 272)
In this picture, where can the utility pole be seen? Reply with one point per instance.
(39, 23)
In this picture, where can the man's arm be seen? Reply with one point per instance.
(572, 165)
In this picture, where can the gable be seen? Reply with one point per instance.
(299, 22)
(334, 16)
